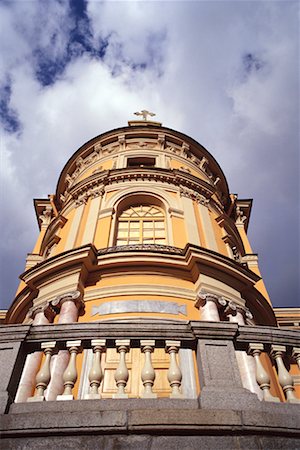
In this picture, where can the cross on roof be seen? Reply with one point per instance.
(145, 114)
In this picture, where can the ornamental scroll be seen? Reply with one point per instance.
(143, 306)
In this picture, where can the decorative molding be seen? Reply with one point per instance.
(139, 289)
(46, 216)
(142, 247)
(95, 184)
(107, 212)
(176, 212)
(189, 193)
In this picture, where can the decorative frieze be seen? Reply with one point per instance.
(193, 195)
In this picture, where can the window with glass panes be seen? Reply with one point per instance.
(143, 224)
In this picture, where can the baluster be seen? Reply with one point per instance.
(148, 373)
(174, 372)
(285, 379)
(95, 374)
(43, 376)
(121, 374)
(262, 376)
(296, 355)
(70, 374)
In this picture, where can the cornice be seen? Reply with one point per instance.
(189, 261)
(94, 185)
(59, 263)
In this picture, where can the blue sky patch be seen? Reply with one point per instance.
(8, 115)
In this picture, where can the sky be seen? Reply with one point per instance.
(224, 72)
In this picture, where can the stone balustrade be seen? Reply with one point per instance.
(202, 359)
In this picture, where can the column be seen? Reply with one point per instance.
(246, 362)
(41, 315)
(209, 305)
(69, 305)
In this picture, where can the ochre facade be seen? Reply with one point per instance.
(142, 226)
(202, 245)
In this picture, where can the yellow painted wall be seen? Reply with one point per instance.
(131, 279)
(105, 165)
(64, 233)
(203, 242)
(174, 164)
(218, 234)
(179, 233)
(82, 225)
(39, 241)
(101, 239)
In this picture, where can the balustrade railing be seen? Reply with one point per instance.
(197, 356)
(121, 374)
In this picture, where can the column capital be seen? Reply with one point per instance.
(234, 308)
(74, 296)
(45, 308)
(204, 297)
(296, 353)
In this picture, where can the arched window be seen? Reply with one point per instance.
(141, 224)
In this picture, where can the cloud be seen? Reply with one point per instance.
(226, 73)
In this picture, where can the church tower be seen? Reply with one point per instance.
(143, 285)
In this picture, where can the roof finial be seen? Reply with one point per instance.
(144, 113)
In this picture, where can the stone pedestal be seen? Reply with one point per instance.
(219, 376)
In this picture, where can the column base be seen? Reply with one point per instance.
(294, 400)
(180, 396)
(39, 398)
(65, 397)
(149, 395)
(92, 397)
(120, 396)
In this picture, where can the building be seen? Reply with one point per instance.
(141, 318)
